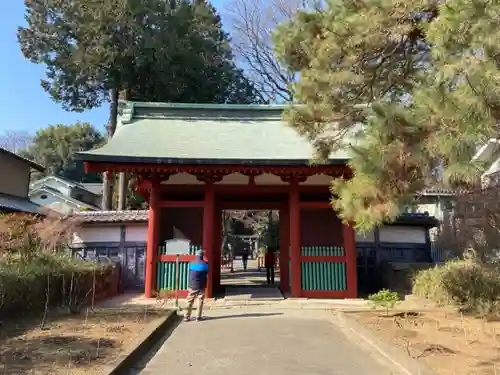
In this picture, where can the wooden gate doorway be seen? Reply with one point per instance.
(284, 234)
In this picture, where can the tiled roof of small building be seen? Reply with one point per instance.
(417, 218)
(142, 216)
(112, 216)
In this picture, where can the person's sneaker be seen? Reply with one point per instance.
(187, 319)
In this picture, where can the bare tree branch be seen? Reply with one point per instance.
(15, 141)
(252, 23)
(476, 223)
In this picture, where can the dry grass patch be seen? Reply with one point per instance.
(71, 344)
(449, 342)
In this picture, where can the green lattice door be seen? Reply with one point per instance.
(323, 271)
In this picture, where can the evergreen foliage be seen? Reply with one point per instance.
(170, 51)
(55, 147)
(421, 76)
(153, 50)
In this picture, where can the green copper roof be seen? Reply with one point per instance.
(205, 133)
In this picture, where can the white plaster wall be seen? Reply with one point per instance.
(234, 179)
(269, 179)
(433, 209)
(136, 232)
(52, 203)
(402, 234)
(85, 196)
(318, 180)
(240, 179)
(182, 179)
(365, 237)
(14, 176)
(59, 186)
(97, 233)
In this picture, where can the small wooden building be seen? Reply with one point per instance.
(195, 160)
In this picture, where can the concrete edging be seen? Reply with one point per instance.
(394, 355)
(142, 345)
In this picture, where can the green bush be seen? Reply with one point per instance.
(384, 298)
(69, 282)
(35, 268)
(467, 284)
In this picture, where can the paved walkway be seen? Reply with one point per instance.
(256, 341)
(251, 277)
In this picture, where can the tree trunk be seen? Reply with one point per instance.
(122, 177)
(107, 191)
(122, 191)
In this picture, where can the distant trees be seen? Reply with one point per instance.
(155, 50)
(15, 141)
(55, 147)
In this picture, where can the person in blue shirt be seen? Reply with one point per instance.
(198, 275)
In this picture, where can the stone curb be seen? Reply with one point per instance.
(142, 345)
(400, 360)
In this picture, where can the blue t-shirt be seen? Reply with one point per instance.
(198, 273)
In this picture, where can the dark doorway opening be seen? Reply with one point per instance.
(246, 237)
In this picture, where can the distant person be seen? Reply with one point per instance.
(198, 275)
(244, 258)
(269, 263)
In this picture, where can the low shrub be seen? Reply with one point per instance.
(385, 299)
(36, 272)
(467, 284)
(57, 279)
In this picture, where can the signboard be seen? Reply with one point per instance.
(177, 246)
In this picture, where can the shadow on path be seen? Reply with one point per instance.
(248, 315)
(240, 274)
(138, 367)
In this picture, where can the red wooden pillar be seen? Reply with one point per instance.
(153, 237)
(294, 208)
(217, 240)
(208, 232)
(351, 260)
(284, 249)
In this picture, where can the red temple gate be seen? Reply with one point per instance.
(320, 262)
(254, 161)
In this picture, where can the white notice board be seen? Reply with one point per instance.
(176, 246)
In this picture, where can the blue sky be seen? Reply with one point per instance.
(24, 105)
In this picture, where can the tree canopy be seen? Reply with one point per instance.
(172, 51)
(422, 77)
(55, 147)
(154, 50)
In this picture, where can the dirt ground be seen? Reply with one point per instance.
(448, 342)
(71, 344)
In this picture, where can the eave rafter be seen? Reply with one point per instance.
(167, 170)
(209, 177)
